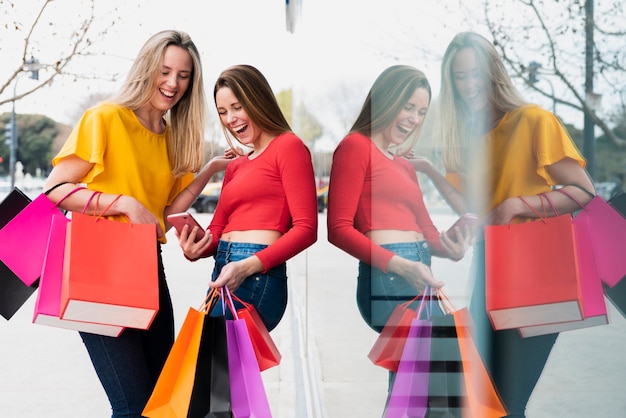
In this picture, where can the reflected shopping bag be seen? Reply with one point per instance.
(27, 233)
(594, 310)
(389, 345)
(13, 291)
(265, 350)
(532, 275)
(247, 391)
(194, 379)
(482, 399)
(110, 273)
(607, 227)
(617, 293)
(48, 303)
(409, 393)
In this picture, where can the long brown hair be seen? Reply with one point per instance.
(390, 92)
(255, 95)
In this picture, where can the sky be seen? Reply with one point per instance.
(335, 42)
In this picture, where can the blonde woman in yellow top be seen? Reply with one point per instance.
(496, 148)
(145, 144)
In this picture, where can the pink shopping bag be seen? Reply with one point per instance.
(48, 303)
(25, 237)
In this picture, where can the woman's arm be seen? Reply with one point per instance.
(567, 172)
(451, 195)
(189, 194)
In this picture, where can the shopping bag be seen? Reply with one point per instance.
(247, 392)
(481, 398)
(616, 294)
(389, 345)
(446, 392)
(409, 392)
(266, 352)
(607, 229)
(532, 275)
(13, 291)
(27, 233)
(48, 303)
(593, 304)
(194, 379)
(110, 273)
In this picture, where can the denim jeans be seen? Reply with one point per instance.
(128, 366)
(266, 291)
(515, 363)
(378, 293)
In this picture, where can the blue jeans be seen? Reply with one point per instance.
(515, 363)
(266, 291)
(128, 366)
(378, 293)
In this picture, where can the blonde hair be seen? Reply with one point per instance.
(390, 92)
(255, 95)
(455, 118)
(187, 118)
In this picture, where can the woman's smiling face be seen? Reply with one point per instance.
(235, 118)
(410, 118)
(469, 80)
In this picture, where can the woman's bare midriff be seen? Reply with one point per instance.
(254, 236)
(392, 236)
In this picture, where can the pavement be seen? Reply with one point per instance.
(325, 372)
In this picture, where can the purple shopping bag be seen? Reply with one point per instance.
(409, 393)
(25, 237)
(247, 392)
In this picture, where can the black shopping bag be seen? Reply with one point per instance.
(210, 396)
(446, 391)
(13, 292)
(617, 293)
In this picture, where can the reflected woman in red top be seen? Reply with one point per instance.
(376, 210)
(267, 210)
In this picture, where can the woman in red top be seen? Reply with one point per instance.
(267, 211)
(376, 211)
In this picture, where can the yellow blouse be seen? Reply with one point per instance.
(511, 160)
(127, 158)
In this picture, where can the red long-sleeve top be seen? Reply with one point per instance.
(370, 191)
(274, 191)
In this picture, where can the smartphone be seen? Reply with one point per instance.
(468, 219)
(179, 220)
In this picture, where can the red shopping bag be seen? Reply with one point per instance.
(532, 275)
(110, 273)
(387, 349)
(265, 350)
(48, 303)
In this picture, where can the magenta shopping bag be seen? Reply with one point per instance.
(27, 234)
(409, 393)
(607, 229)
(48, 303)
(247, 392)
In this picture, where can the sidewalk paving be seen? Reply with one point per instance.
(325, 372)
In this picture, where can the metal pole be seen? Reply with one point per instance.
(13, 156)
(588, 129)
